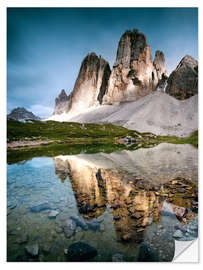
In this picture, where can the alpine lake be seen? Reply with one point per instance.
(120, 206)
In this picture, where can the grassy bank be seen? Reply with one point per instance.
(74, 138)
(62, 131)
(192, 139)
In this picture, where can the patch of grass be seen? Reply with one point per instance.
(62, 130)
(73, 138)
(193, 139)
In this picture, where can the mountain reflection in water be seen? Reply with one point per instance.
(101, 179)
(142, 196)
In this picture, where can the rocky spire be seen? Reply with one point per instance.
(183, 81)
(62, 103)
(89, 89)
(160, 65)
(91, 83)
(133, 75)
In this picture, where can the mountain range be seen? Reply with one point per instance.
(137, 93)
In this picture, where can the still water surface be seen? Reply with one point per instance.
(126, 206)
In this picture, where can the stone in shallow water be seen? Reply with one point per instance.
(69, 227)
(80, 251)
(46, 248)
(178, 234)
(12, 204)
(117, 257)
(93, 225)
(53, 214)
(40, 207)
(79, 222)
(22, 239)
(32, 250)
(147, 254)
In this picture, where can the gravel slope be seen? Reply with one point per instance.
(158, 113)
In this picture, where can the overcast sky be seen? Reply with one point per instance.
(45, 46)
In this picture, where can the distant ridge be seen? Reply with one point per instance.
(21, 113)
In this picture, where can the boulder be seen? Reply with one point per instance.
(40, 207)
(79, 252)
(69, 227)
(32, 250)
(53, 214)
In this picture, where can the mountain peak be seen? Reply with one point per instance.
(183, 81)
(20, 113)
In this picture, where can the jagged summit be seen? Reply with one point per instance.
(183, 81)
(134, 75)
(131, 45)
(20, 113)
(90, 86)
(62, 103)
(160, 64)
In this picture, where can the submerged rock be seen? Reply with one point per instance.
(147, 254)
(80, 222)
(32, 250)
(22, 239)
(117, 257)
(40, 207)
(53, 214)
(69, 227)
(80, 251)
(178, 234)
(94, 225)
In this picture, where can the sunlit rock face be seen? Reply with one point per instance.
(134, 201)
(160, 67)
(183, 81)
(89, 89)
(133, 74)
(91, 83)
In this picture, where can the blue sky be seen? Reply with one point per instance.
(45, 46)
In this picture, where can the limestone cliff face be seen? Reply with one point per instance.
(161, 72)
(89, 89)
(62, 103)
(133, 75)
(160, 65)
(183, 81)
